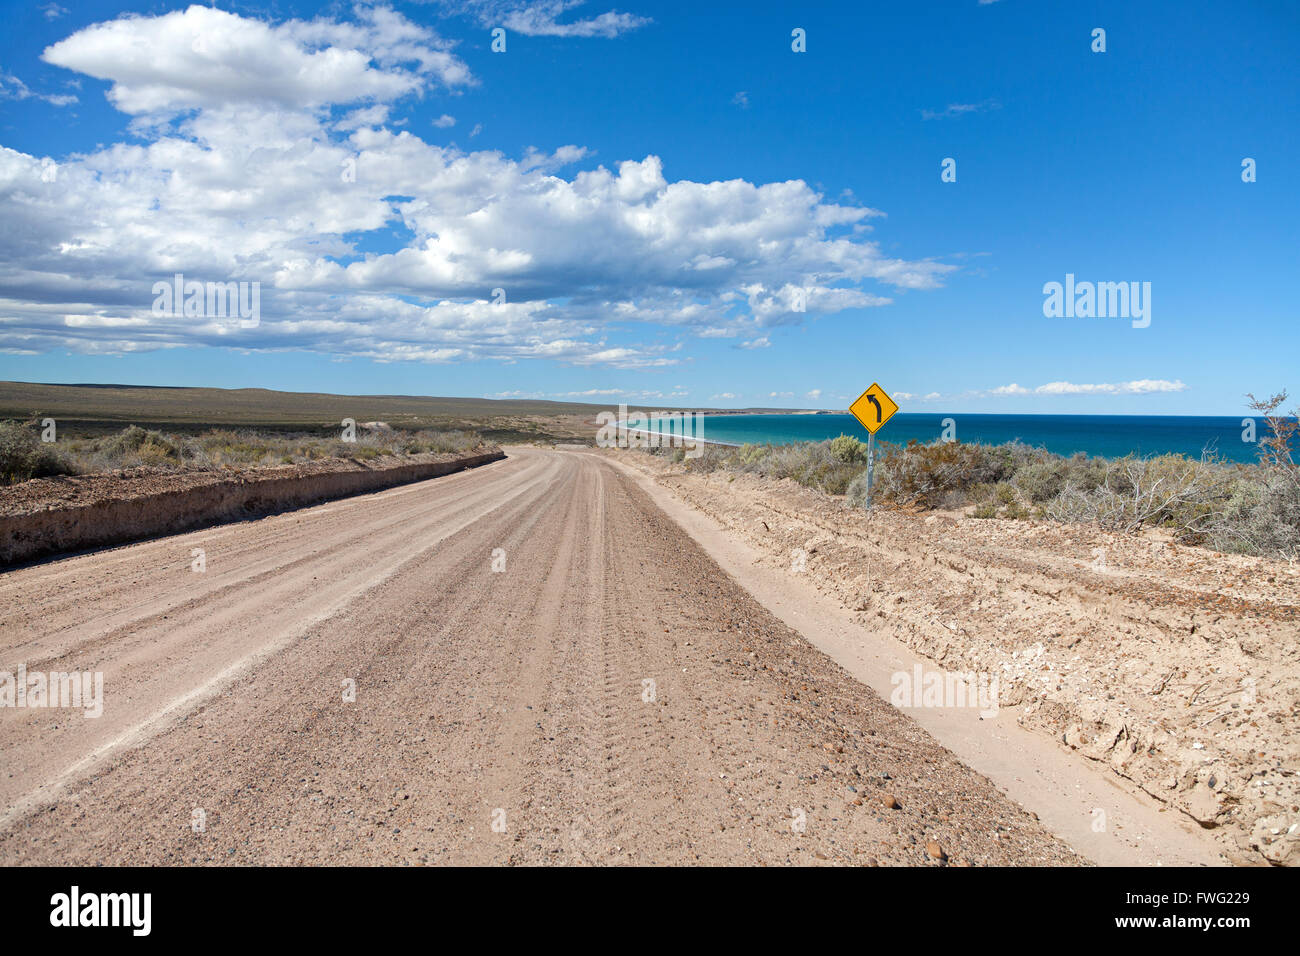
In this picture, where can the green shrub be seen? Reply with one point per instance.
(134, 445)
(1042, 481)
(24, 456)
(848, 449)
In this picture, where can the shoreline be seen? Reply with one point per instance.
(1224, 439)
(1099, 456)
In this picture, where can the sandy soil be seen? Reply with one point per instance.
(1177, 669)
(518, 698)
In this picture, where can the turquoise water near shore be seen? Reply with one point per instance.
(1110, 436)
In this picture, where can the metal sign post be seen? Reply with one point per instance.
(871, 460)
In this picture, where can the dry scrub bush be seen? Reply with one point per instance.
(943, 474)
(1263, 515)
(422, 442)
(813, 464)
(23, 455)
(1187, 497)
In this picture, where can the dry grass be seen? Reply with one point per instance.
(24, 456)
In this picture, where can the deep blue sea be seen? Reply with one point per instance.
(1106, 435)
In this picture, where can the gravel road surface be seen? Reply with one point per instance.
(523, 663)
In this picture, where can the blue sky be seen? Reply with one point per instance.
(212, 142)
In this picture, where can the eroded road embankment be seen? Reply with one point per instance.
(609, 695)
(51, 516)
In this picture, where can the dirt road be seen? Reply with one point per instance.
(606, 694)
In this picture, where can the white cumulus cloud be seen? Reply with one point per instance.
(203, 57)
(267, 154)
(1137, 387)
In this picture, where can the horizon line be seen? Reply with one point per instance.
(736, 410)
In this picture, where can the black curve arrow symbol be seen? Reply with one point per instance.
(875, 401)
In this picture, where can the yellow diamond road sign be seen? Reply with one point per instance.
(873, 408)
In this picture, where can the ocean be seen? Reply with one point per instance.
(1109, 436)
